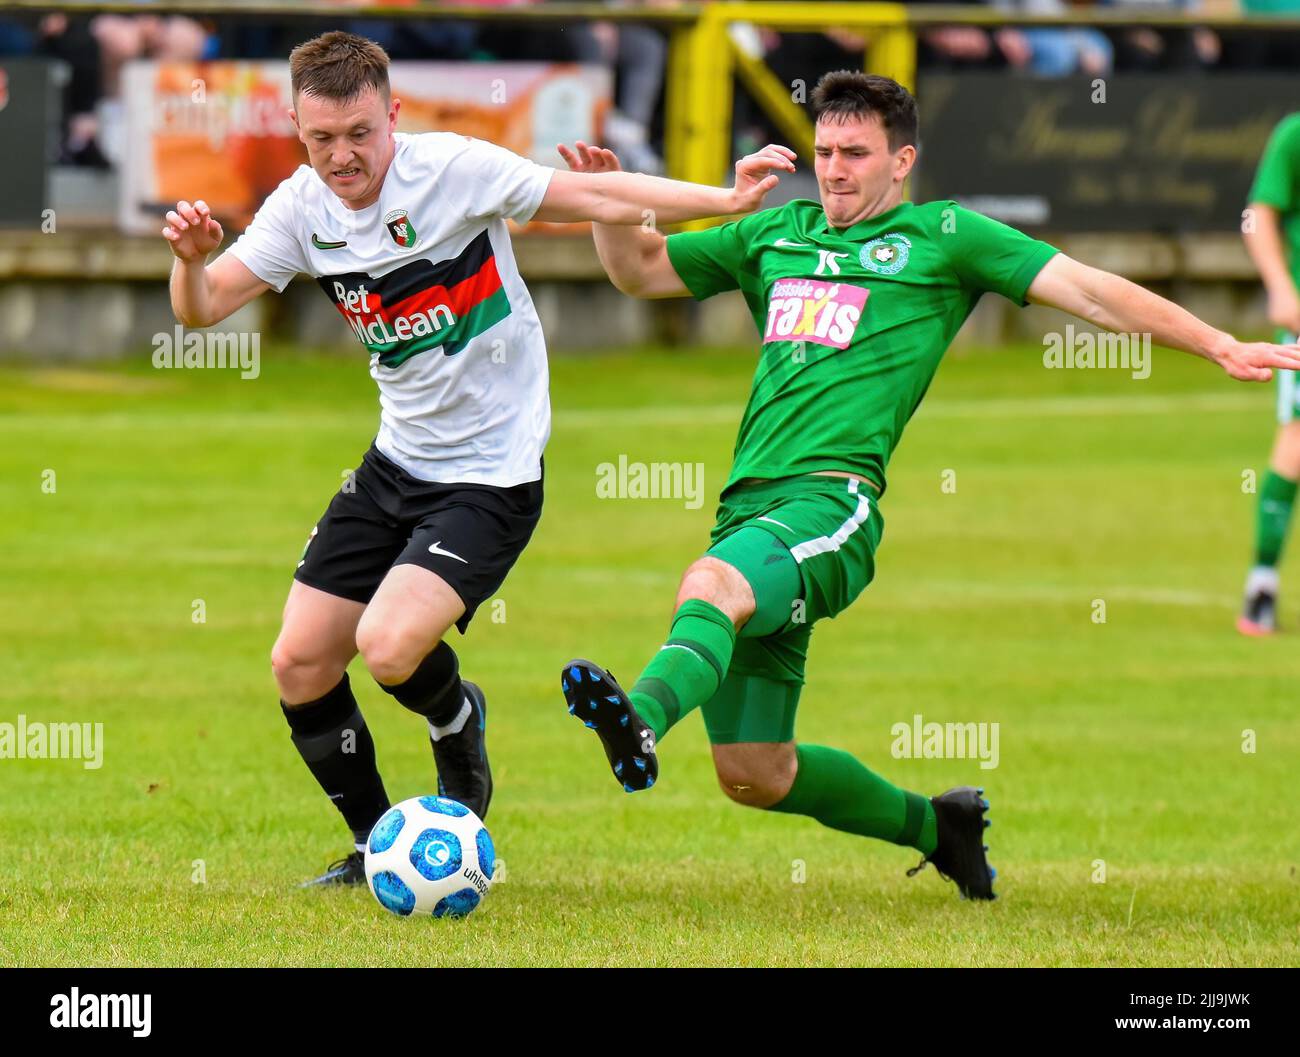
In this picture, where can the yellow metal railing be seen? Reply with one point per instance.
(703, 59)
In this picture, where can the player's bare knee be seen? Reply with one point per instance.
(699, 581)
(301, 678)
(755, 774)
(752, 788)
(719, 584)
(286, 665)
(391, 654)
(384, 657)
(752, 782)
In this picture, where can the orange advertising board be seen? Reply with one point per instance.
(221, 131)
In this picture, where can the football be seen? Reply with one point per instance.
(429, 855)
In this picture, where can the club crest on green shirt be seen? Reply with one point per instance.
(886, 255)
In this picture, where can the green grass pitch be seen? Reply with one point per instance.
(1120, 741)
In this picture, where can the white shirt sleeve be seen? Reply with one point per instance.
(271, 246)
(500, 182)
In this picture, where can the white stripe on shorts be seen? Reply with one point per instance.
(1286, 409)
(833, 542)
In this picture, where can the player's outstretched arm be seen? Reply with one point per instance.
(204, 294)
(1113, 303)
(630, 198)
(634, 256)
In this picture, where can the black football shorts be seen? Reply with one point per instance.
(469, 534)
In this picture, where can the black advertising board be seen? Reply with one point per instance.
(29, 127)
(1132, 152)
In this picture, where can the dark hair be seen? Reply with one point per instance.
(846, 94)
(338, 66)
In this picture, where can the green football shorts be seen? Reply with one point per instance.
(829, 527)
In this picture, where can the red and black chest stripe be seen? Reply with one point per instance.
(423, 304)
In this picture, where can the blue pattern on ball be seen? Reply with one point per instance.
(392, 892)
(386, 830)
(440, 805)
(456, 905)
(436, 854)
(487, 855)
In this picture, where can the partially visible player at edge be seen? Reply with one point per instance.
(406, 235)
(856, 300)
(1273, 241)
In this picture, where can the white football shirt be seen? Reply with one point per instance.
(426, 279)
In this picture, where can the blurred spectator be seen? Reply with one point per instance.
(56, 36)
(639, 56)
(957, 47)
(536, 41)
(416, 39)
(123, 38)
(17, 35)
(71, 40)
(1147, 48)
(428, 41)
(1052, 52)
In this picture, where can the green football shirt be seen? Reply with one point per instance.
(853, 322)
(1277, 184)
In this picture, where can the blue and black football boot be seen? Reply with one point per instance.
(594, 696)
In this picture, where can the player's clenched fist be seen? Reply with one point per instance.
(192, 231)
(756, 174)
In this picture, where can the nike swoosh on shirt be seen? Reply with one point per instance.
(786, 243)
(315, 241)
(436, 548)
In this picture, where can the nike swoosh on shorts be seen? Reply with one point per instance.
(436, 548)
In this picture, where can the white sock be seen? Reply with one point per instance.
(360, 847)
(455, 726)
(1262, 578)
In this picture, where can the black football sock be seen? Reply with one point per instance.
(434, 691)
(334, 742)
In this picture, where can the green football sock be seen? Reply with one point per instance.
(689, 667)
(1274, 515)
(835, 789)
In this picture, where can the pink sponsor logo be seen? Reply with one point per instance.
(813, 310)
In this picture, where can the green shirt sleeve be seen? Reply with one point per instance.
(711, 261)
(988, 255)
(1275, 183)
